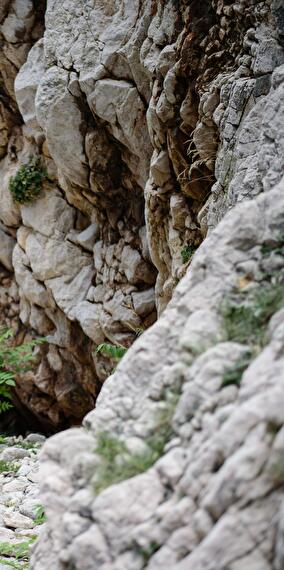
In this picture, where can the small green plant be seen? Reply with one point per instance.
(27, 445)
(245, 319)
(112, 351)
(187, 252)
(274, 247)
(6, 376)
(118, 464)
(148, 551)
(26, 185)
(8, 467)
(13, 360)
(20, 551)
(164, 429)
(40, 517)
(234, 374)
(267, 249)
(276, 468)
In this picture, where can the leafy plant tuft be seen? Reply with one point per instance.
(246, 319)
(26, 185)
(8, 467)
(187, 252)
(148, 551)
(112, 351)
(13, 360)
(20, 552)
(118, 464)
(40, 517)
(235, 373)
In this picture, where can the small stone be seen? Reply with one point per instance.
(14, 485)
(16, 520)
(24, 470)
(33, 476)
(13, 453)
(28, 508)
(135, 268)
(29, 533)
(144, 301)
(171, 466)
(35, 438)
(6, 534)
(88, 237)
(7, 244)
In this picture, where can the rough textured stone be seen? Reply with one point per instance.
(7, 244)
(225, 453)
(127, 109)
(158, 123)
(13, 453)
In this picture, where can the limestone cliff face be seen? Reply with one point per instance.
(128, 103)
(161, 126)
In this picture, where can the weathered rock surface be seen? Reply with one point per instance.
(215, 495)
(129, 105)
(160, 124)
(20, 518)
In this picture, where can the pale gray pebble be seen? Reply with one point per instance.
(35, 438)
(14, 453)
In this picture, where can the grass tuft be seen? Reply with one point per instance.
(40, 517)
(234, 374)
(8, 467)
(19, 551)
(276, 247)
(118, 464)
(187, 252)
(29, 445)
(148, 551)
(246, 320)
(112, 351)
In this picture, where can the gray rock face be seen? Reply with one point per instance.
(219, 473)
(160, 125)
(149, 135)
(215, 486)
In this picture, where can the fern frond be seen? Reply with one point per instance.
(7, 378)
(13, 360)
(5, 406)
(5, 334)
